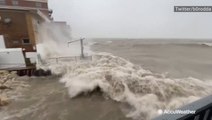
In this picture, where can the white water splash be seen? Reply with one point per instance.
(53, 42)
(207, 44)
(122, 81)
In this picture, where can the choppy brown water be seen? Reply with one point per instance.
(47, 99)
(179, 59)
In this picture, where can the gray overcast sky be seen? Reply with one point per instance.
(133, 18)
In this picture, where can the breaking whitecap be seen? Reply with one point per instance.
(122, 81)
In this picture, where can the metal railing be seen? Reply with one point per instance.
(203, 108)
(71, 59)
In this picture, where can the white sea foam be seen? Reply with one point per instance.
(123, 81)
(207, 44)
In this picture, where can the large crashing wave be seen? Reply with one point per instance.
(123, 81)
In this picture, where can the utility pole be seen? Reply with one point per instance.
(82, 48)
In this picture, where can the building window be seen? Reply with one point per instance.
(2, 2)
(15, 2)
(25, 41)
(39, 5)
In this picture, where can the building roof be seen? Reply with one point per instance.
(10, 50)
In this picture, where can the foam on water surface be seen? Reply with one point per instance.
(122, 81)
(207, 44)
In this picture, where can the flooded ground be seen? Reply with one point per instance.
(48, 99)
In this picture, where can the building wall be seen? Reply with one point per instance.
(25, 3)
(24, 20)
(30, 28)
(19, 29)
